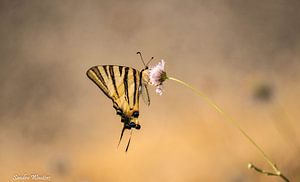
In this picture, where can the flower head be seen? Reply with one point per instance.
(157, 76)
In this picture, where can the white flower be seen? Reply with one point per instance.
(157, 76)
(159, 90)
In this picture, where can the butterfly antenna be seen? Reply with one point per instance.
(128, 141)
(149, 61)
(141, 58)
(122, 132)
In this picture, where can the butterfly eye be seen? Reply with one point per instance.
(138, 127)
(135, 114)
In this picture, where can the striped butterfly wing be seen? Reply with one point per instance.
(121, 84)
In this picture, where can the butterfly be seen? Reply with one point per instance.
(123, 85)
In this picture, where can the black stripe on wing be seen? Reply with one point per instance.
(120, 69)
(112, 76)
(125, 82)
(99, 75)
(105, 70)
(104, 87)
(135, 86)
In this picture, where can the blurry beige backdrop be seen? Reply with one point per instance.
(56, 122)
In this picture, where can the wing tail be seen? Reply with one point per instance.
(128, 141)
(122, 132)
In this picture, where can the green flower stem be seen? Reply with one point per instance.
(232, 121)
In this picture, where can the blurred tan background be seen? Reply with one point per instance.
(56, 122)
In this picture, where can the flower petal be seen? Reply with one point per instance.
(157, 76)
